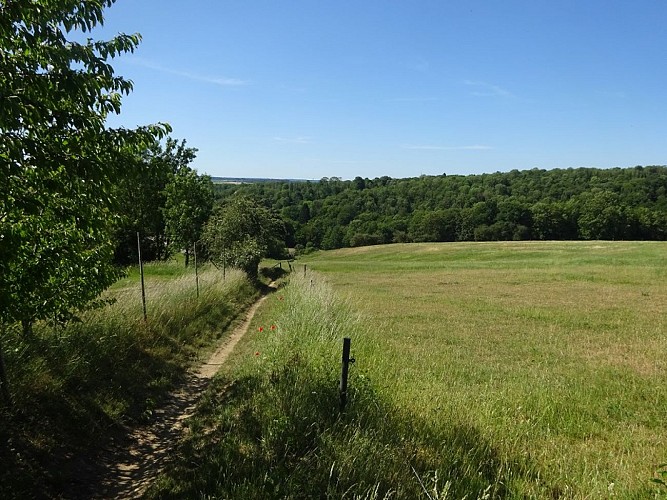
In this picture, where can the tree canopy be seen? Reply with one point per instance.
(58, 160)
(188, 205)
(163, 199)
(559, 204)
(240, 233)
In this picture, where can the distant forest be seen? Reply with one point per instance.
(560, 204)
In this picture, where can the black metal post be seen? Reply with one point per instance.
(344, 370)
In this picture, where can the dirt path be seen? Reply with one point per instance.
(126, 469)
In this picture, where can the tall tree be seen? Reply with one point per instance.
(188, 205)
(143, 199)
(240, 233)
(58, 160)
(141, 194)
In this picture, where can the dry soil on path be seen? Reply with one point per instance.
(126, 467)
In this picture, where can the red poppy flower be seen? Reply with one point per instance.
(260, 329)
(256, 353)
(273, 327)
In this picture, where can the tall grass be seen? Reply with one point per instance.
(271, 426)
(75, 386)
(553, 351)
(499, 370)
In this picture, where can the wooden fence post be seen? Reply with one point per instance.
(141, 272)
(194, 247)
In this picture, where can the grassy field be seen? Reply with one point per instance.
(555, 353)
(484, 370)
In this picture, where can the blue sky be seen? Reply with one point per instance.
(319, 88)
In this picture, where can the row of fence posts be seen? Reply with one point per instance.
(224, 272)
(141, 273)
(346, 360)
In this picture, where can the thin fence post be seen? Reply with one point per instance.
(194, 247)
(304, 270)
(346, 360)
(141, 272)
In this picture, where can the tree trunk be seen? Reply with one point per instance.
(27, 327)
(4, 385)
(252, 270)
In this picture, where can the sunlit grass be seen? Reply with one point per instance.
(271, 426)
(554, 352)
(499, 370)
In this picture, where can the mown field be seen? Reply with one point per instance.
(484, 370)
(555, 353)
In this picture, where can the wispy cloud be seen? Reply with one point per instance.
(414, 99)
(483, 89)
(429, 147)
(216, 80)
(293, 140)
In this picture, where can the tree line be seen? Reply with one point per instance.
(163, 199)
(559, 204)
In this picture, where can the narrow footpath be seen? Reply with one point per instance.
(126, 468)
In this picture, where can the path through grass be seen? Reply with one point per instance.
(75, 387)
(495, 370)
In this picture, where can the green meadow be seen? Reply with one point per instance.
(483, 370)
(556, 353)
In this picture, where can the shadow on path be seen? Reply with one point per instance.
(129, 464)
